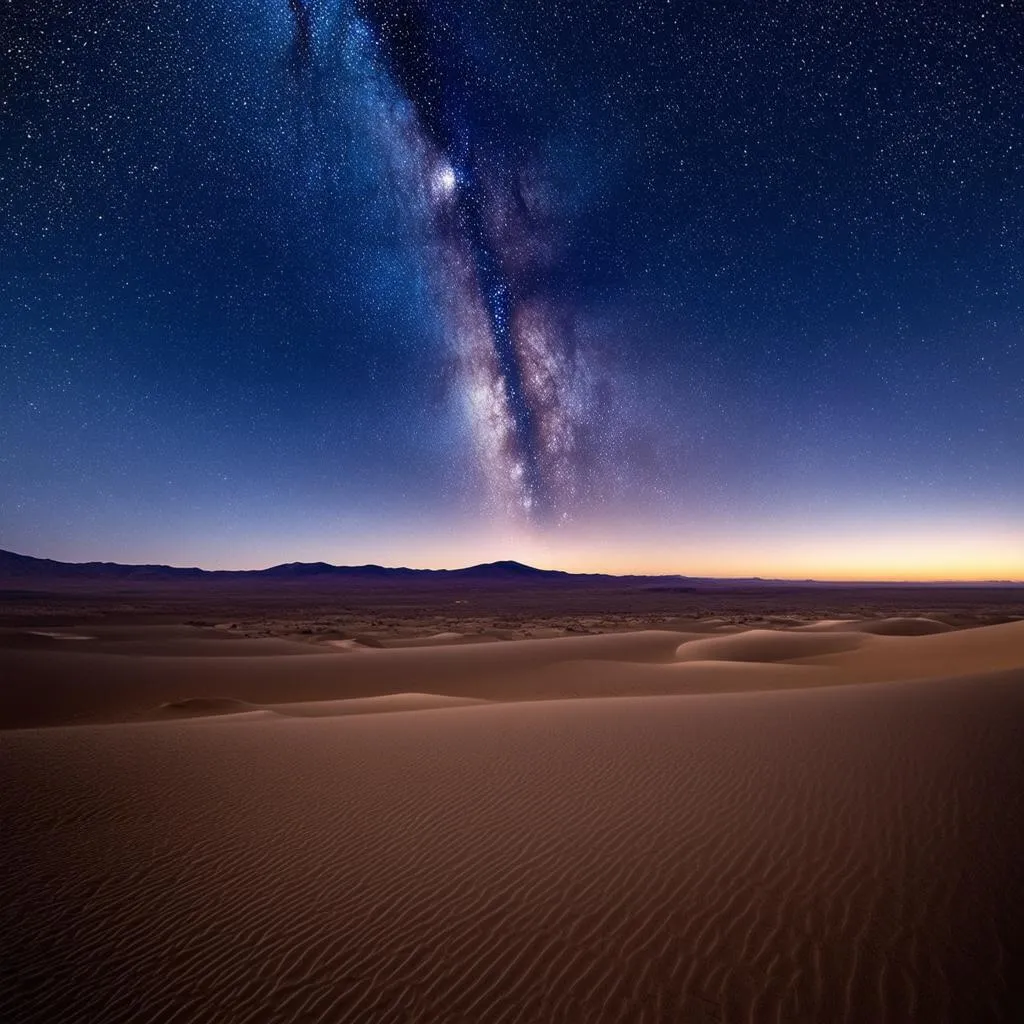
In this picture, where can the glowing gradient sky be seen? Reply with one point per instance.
(712, 288)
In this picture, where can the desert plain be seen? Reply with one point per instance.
(510, 800)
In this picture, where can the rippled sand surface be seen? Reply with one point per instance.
(811, 826)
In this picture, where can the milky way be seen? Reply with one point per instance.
(482, 206)
(717, 288)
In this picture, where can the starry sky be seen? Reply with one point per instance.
(717, 287)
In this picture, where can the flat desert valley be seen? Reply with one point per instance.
(511, 802)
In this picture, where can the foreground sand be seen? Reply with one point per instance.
(812, 825)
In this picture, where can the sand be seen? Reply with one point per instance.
(667, 825)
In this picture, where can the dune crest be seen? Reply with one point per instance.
(207, 706)
(918, 625)
(190, 706)
(386, 703)
(768, 645)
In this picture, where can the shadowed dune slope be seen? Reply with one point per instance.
(842, 854)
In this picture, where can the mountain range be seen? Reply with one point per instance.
(15, 566)
(20, 569)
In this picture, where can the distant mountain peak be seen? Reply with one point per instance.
(509, 565)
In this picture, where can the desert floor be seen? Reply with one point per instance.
(781, 808)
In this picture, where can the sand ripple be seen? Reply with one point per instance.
(829, 855)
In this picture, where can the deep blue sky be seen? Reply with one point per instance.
(693, 287)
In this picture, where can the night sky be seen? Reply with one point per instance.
(705, 287)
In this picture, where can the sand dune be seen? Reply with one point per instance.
(767, 645)
(917, 625)
(200, 643)
(846, 854)
(201, 707)
(436, 640)
(637, 827)
(62, 685)
(985, 649)
(58, 635)
(387, 703)
(76, 683)
(349, 644)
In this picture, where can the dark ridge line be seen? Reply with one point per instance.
(18, 566)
